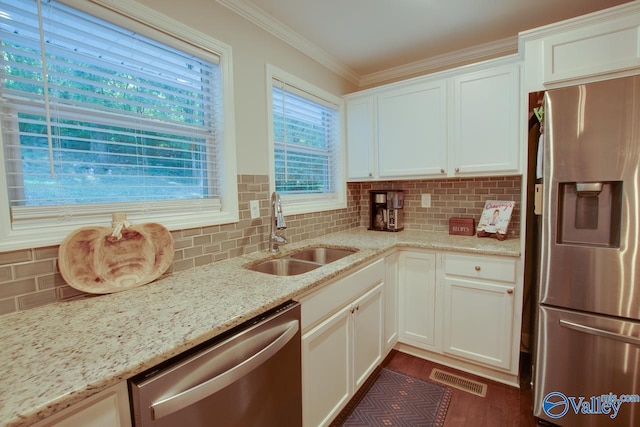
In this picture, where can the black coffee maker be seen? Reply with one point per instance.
(386, 210)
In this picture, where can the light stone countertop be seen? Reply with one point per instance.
(57, 355)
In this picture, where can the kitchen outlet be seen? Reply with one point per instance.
(254, 206)
(426, 201)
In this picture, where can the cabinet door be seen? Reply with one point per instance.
(412, 125)
(485, 121)
(326, 369)
(367, 334)
(417, 280)
(391, 301)
(360, 138)
(478, 321)
(606, 46)
(109, 408)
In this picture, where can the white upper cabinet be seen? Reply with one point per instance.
(462, 122)
(412, 128)
(360, 137)
(597, 46)
(485, 121)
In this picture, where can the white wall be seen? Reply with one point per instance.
(252, 48)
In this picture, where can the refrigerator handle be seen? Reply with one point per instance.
(599, 332)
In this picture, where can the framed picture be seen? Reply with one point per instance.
(495, 217)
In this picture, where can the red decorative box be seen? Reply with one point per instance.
(462, 226)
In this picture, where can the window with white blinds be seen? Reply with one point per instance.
(306, 144)
(96, 116)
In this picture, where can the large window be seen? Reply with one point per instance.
(307, 148)
(98, 118)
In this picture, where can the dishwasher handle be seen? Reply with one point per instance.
(192, 395)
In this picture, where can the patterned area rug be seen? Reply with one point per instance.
(395, 399)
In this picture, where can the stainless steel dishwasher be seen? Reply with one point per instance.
(249, 377)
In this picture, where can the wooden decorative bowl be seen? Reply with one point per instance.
(91, 260)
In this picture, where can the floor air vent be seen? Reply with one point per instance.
(456, 381)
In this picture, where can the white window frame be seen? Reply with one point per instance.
(51, 231)
(307, 203)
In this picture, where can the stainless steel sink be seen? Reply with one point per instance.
(284, 266)
(302, 261)
(322, 255)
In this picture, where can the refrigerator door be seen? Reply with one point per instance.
(584, 358)
(590, 257)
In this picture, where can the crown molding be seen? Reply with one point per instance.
(593, 18)
(449, 60)
(283, 32)
(454, 59)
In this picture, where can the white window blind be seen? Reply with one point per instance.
(306, 142)
(96, 115)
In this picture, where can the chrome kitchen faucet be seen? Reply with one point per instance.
(276, 236)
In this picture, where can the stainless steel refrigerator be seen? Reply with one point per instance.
(587, 364)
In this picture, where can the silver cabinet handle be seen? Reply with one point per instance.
(190, 396)
(457, 169)
(599, 332)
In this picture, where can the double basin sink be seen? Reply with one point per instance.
(302, 261)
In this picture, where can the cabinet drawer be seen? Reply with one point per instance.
(326, 301)
(488, 268)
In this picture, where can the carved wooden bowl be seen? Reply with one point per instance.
(91, 260)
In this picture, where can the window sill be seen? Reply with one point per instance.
(54, 234)
(293, 207)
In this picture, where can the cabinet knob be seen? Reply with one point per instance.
(441, 170)
(457, 169)
(477, 267)
(370, 174)
(510, 291)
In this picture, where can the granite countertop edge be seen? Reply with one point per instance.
(60, 354)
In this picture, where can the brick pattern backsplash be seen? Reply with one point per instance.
(450, 198)
(30, 278)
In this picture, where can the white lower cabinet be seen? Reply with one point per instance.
(417, 280)
(368, 332)
(342, 342)
(478, 321)
(391, 298)
(326, 369)
(109, 408)
(461, 310)
(478, 308)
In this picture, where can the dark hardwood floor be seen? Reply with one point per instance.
(502, 406)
